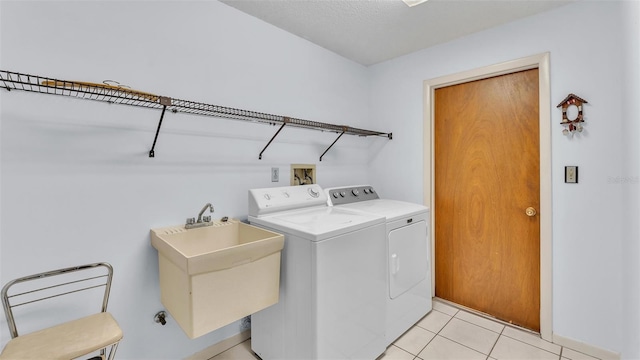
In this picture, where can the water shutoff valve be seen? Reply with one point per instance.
(161, 318)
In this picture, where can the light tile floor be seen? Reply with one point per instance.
(450, 333)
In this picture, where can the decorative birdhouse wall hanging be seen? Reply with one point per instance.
(572, 114)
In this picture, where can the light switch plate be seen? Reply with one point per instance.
(571, 174)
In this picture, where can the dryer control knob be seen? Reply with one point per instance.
(335, 195)
(366, 191)
(355, 192)
(313, 193)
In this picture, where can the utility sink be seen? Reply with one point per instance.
(214, 275)
(216, 247)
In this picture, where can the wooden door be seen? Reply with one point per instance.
(487, 173)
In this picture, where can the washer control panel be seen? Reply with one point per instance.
(350, 194)
(268, 200)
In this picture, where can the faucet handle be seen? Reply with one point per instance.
(191, 221)
(206, 218)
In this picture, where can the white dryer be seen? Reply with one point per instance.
(408, 295)
(332, 286)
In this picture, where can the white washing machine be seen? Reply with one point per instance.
(408, 295)
(331, 284)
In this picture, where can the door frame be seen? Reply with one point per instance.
(541, 62)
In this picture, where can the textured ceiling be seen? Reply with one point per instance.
(372, 31)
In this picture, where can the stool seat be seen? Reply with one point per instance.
(66, 341)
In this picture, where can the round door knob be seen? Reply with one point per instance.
(530, 211)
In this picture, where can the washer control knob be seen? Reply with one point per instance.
(343, 194)
(355, 192)
(371, 191)
(313, 193)
(335, 195)
(267, 196)
(366, 191)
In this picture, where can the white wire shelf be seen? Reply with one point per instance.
(114, 93)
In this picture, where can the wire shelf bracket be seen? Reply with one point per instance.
(165, 101)
(335, 141)
(114, 93)
(155, 139)
(285, 122)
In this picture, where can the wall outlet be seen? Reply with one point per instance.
(275, 174)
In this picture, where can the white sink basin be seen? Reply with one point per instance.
(216, 247)
(214, 275)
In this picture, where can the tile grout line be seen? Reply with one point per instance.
(470, 348)
(447, 323)
(480, 326)
(505, 325)
(495, 343)
(537, 347)
(425, 346)
(501, 333)
(454, 341)
(443, 326)
(484, 315)
(403, 350)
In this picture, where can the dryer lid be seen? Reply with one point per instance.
(391, 209)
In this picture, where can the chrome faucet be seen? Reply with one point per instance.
(202, 220)
(206, 218)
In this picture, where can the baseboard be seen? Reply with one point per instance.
(585, 348)
(220, 347)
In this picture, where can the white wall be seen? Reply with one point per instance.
(77, 185)
(631, 175)
(590, 234)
